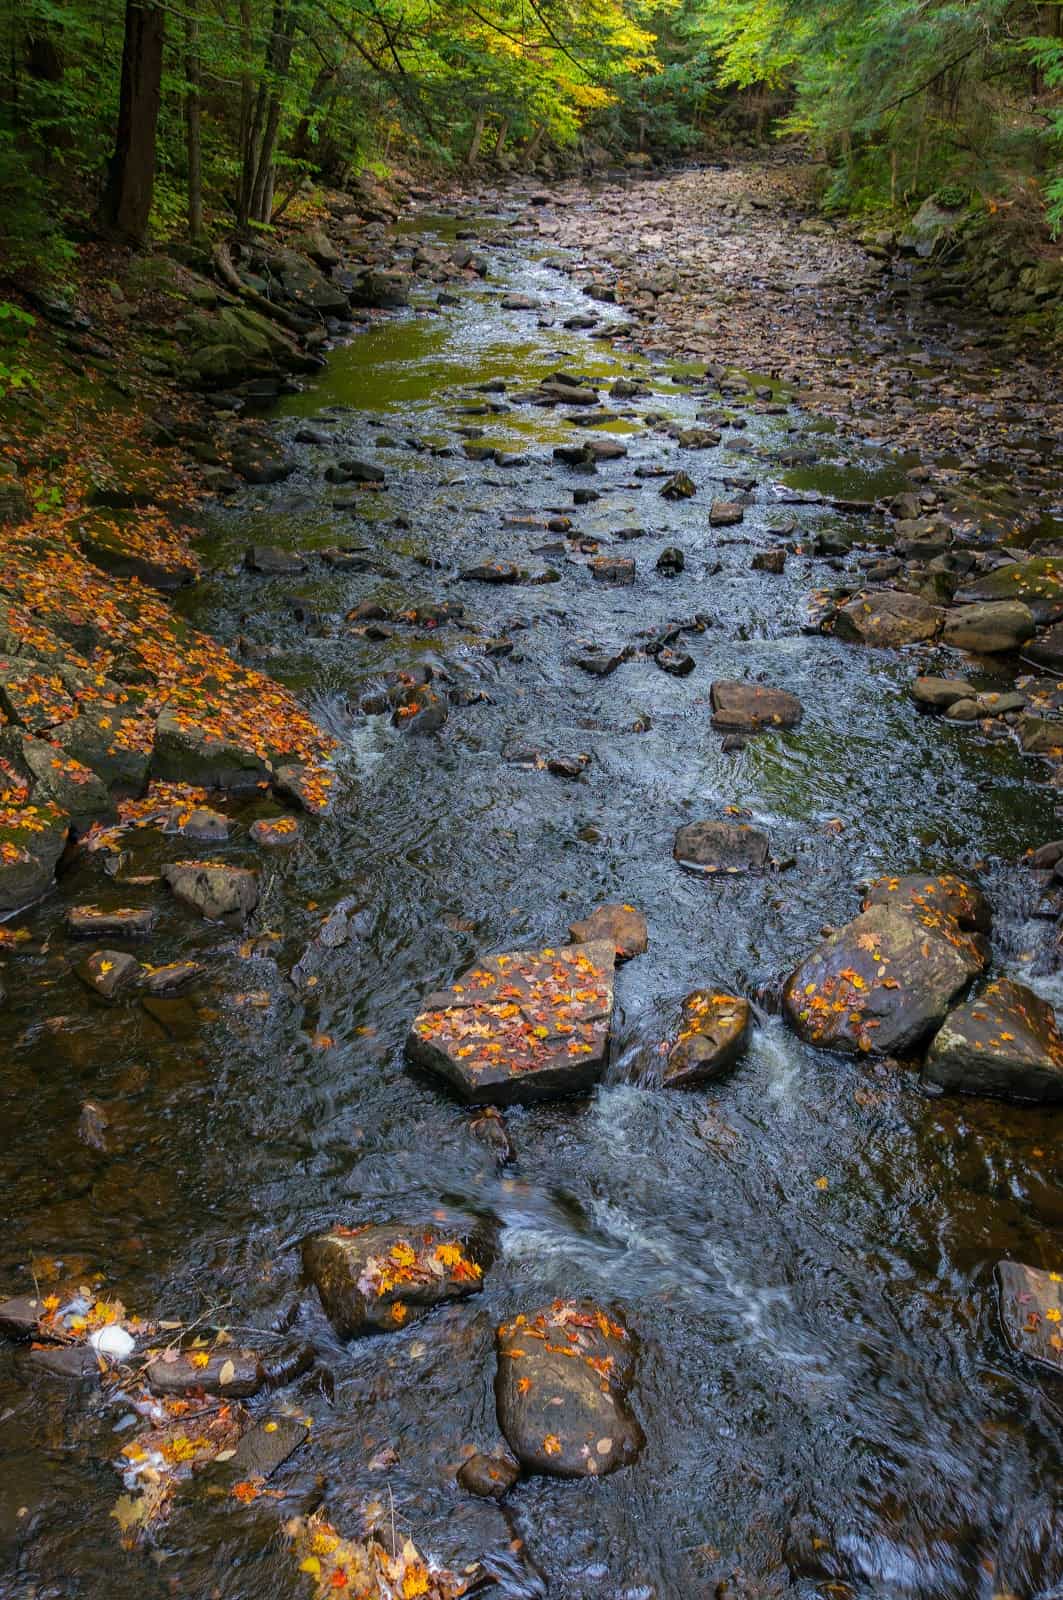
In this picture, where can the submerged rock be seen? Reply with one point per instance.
(1006, 1044)
(720, 847)
(883, 982)
(490, 1477)
(216, 891)
(752, 707)
(1031, 1312)
(380, 1276)
(713, 1034)
(621, 926)
(561, 1390)
(521, 1026)
(89, 922)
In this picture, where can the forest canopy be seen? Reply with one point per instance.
(198, 115)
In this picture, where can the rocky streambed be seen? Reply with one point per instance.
(613, 1152)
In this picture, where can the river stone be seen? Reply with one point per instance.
(886, 617)
(32, 839)
(380, 1276)
(1040, 736)
(188, 752)
(940, 693)
(751, 707)
(561, 1390)
(490, 1477)
(171, 978)
(944, 893)
(726, 513)
(1031, 1312)
(989, 629)
(89, 922)
(272, 561)
(20, 1317)
(308, 787)
(261, 461)
(521, 1026)
(881, 983)
(713, 1034)
(1005, 1043)
(55, 778)
(487, 570)
(1046, 650)
(216, 891)
(352, 470)
(275, 832)
(677, 663)
(679, 487)
(109, 973)
(1037, 583)
(720, 847)
(236, 1374)
(621, 926)
(617, 570)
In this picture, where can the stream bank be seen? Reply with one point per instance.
(803, 1248)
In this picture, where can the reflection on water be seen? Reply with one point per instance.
(827, 1402)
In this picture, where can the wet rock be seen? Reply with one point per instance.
(521, 1026)
(308, 787)
(274, 832)
(76, 1363)
(490, 1477)
(962, 711)
(600, 660)
(93, 1125)
(106, 546)
(520, 302)
(491, 1130)
(752, 707)
(676, 662)
(886, 617)
(488, 570)
(422, 714)
(353, 470)
(561, 1390)
(1005, 1044)
(943, 893)
(200, 823)
(728, 847)
(226, 1371)
(90, 922)
(940, 693)
(1046, 649)
(188, 752)
(219, 893)
(883, 982)
(680, 486)
(109, 973)
(713, 1033)
(769, 561)
(263, 1448)
(1031, 1312)
(726, 514)
(261, 461)
(1038, 584)
(621, 926)
(272, 561)
(171, 978)
(32, 840)
(381, 1276)
(1040, 736)
(617, 570)
(671, 562)
(572, 767)
(20, 1317)
(383, 289)
(989, 629)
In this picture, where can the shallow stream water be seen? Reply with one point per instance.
(827, 1400)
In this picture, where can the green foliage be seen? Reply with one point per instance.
(16, 323)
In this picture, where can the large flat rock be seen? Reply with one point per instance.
(727, 847)
(887, 617)
(521, 1026)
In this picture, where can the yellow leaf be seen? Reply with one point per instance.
(227, 1373)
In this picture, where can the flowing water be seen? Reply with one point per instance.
(827, 1401)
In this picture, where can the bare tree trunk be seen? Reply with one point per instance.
(476, 140)
(126, 204)
(503, 135)
(531, 149)
(257, 178)
(193, 129)
(893, 177)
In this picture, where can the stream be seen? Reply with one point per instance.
(828, 1404)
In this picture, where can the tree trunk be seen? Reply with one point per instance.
(126, 203)
(255, 202)
(192, 124)
(476, 140)
(531, 149)
(503, 134)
